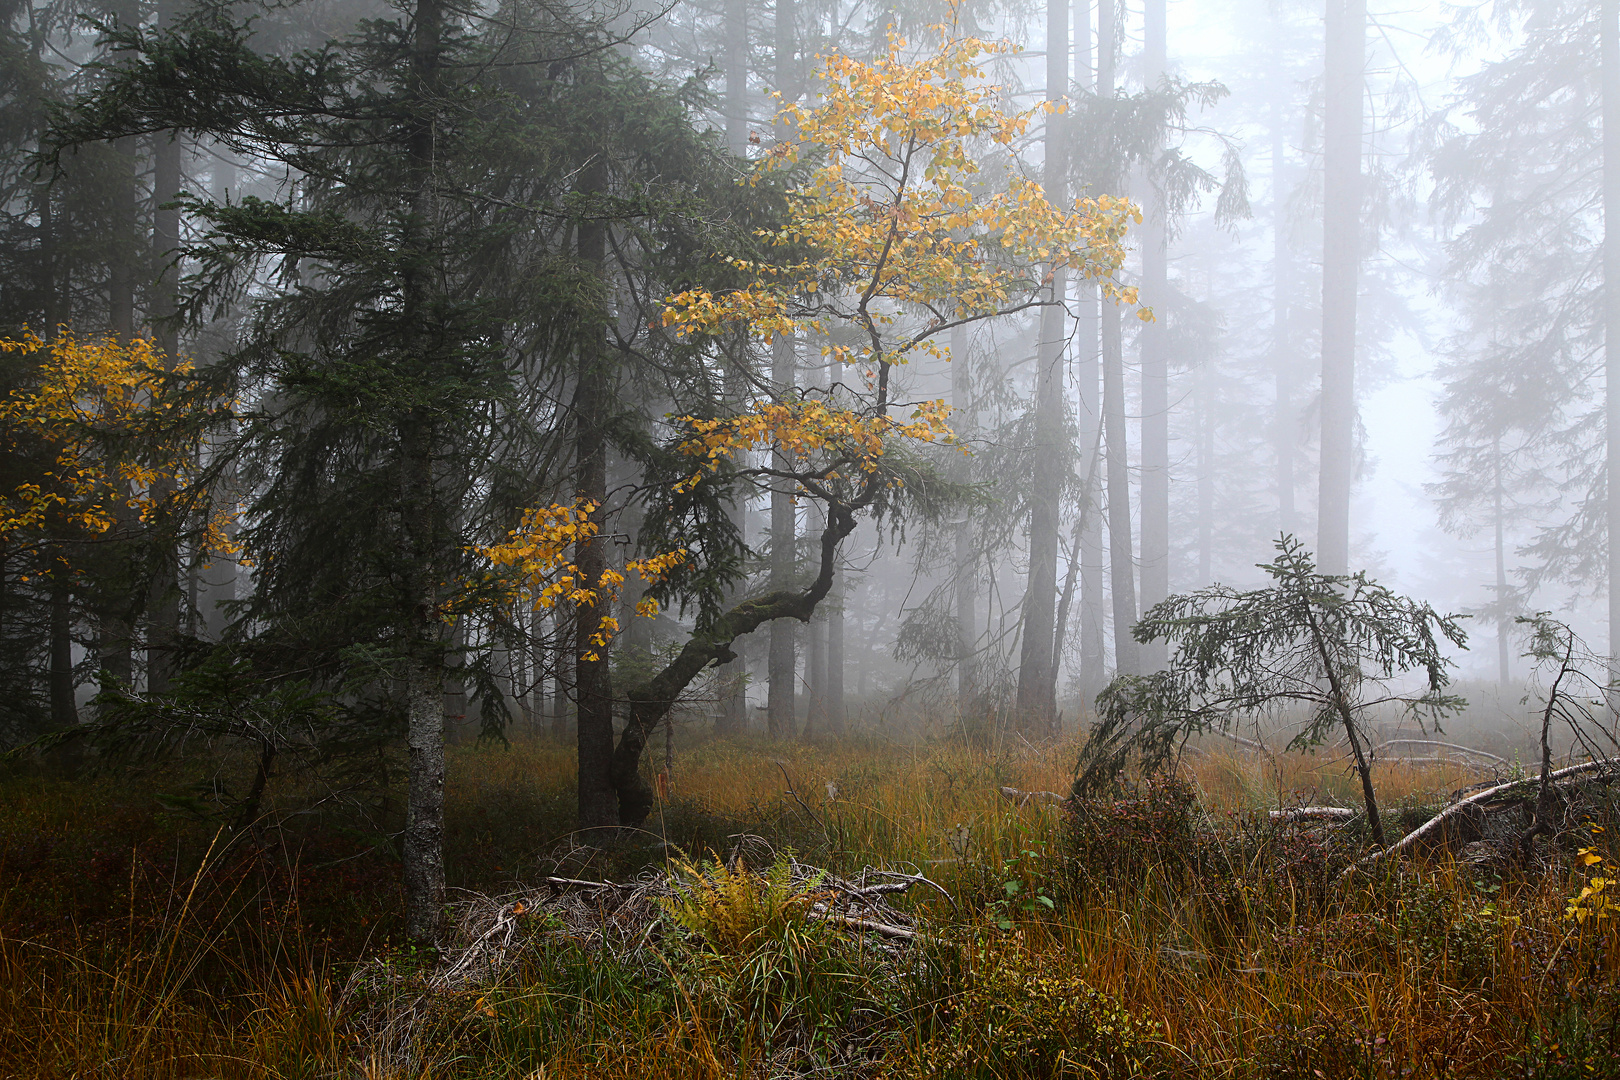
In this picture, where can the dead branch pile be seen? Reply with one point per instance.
(385, 1004)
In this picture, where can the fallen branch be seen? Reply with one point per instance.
(1490, 794)
(1434, 744)
(1024, 798)
(1314, 813)
(885, 929)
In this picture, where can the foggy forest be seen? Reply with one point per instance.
(788, 538)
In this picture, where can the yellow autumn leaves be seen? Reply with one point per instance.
(534, 561)
(902, 236)
(113, 437)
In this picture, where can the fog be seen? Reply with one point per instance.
(1373, 249)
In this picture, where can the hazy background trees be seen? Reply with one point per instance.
(429, 264)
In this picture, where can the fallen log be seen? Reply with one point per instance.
(1490, 794)
(1313, 813)
(1434, 744)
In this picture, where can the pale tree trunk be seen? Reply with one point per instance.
(593, 686)
(1504, 624)
(964, 419)
(1121, 556)
(1341, 271)
(1609, 35)
(1155, 363)
(1282, 359)
(1036, 709)
(832, 685)
(1206, 478)
(781, 665)
(1088, 375)
(833, 708)
(736, 17)
(732, 678)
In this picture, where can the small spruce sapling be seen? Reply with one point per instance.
(1335, 644)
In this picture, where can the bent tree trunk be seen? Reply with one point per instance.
(651, 701)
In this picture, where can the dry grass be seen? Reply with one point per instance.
(1217, 937)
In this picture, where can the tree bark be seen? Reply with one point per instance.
(1155, 362)
(963, 420)
(780, 708)
(423, 848)
(781, 672)
(593, 686)
(1121, 572)
(1609, 35)
(1282, 360)
(1036, 708)
(736, 25)
(1341, 271)
(1087, 377)
(651, 701)
(1504, 624)
(64, 710)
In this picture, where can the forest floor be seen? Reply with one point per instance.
(1174, 930)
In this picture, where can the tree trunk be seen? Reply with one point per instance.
(780, 712)
(1036, 709)
(1155, 363)
(1504, 624)
(64, 709)
(737, 76)
(651, 701)
(163, 596)
(1087, 376)
(423, 847)
(964, 419)
(1609, 34)
(1341, 271)
(1282, 360)
(593, 686)
(833, 705)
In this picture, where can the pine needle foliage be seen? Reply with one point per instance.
(1332, 644)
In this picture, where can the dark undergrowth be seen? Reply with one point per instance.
(1156, 932)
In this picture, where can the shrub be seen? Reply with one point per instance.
(1017, 1017)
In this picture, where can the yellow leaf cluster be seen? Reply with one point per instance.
(798, 429)
(533, 563)
(896, 221)
(105, 416)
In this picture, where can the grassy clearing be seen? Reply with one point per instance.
(1175, 931)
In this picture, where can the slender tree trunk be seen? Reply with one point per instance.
(780, 709)
(423, 853)
(964, 419)
(1155, 363)
(163, 597)
(780, 712)
(1122, 578)
(64, 710)
(1206, 479)
(1121, 555)
(737, 76)
(593, 686)
(1282, 360)
(1036, 708)
(833, 708)
(815, 677)
(1504, 624)
(1087, 377)
(562, 653)
(1609, 35)
(1341, 272)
